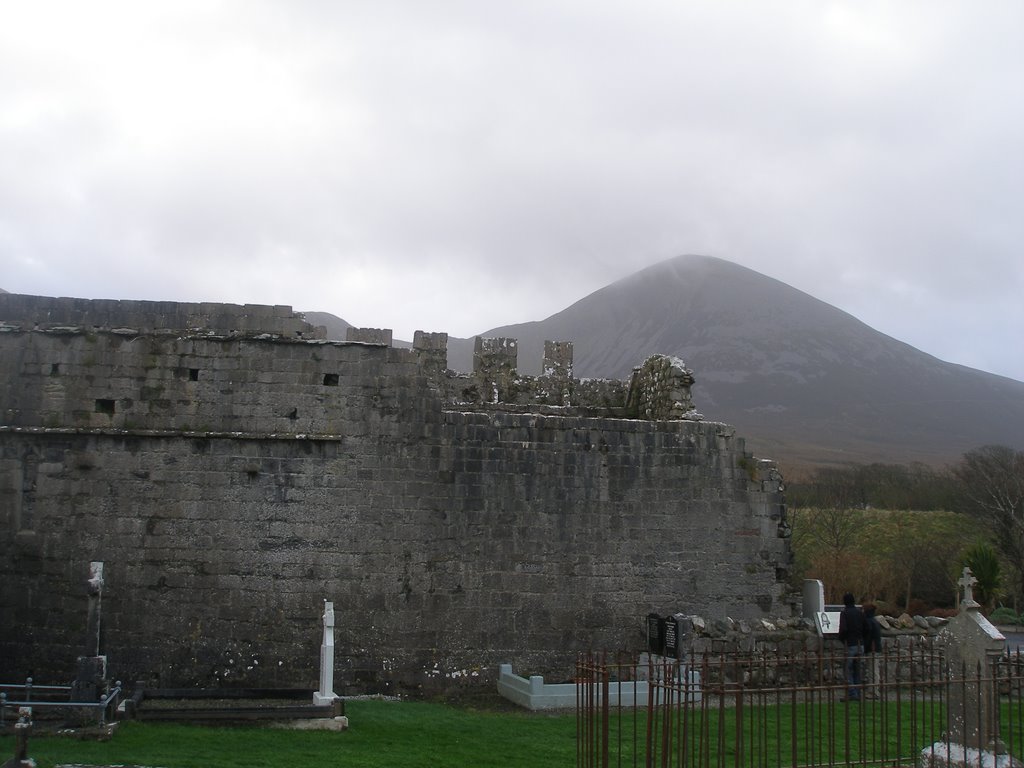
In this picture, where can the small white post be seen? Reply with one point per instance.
(326, 694)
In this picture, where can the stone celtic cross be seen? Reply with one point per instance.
(967, 581)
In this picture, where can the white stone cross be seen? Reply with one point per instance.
(967, 581)
(326, 694)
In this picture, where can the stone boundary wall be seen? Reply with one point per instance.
(231, 484)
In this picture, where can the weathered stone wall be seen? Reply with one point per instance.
(108, 380)
(45, 312)
(660, 390)
(230, 484)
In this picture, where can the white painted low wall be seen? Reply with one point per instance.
(534, 693)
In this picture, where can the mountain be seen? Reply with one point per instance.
(805, 383)
(336, 327)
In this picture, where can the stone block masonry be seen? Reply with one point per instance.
(232, 481)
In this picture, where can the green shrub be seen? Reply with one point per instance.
(983, 560)
(1004, 615)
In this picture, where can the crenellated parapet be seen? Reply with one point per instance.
(369, 335)
(494, 369)
(145, 363)
(432, 351)
(658, 390)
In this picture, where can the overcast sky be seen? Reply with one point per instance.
(455, 166)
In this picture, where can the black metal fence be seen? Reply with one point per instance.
(769, 708)
(59, 699)
(194, 705)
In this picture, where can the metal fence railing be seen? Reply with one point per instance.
(58, 699)
(767, 709)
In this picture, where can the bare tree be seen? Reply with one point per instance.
(992, 489)
(830, 534)
(837, 529)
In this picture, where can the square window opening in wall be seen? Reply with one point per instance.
(104, 405)
(55, 369)
(193, 374)
(330, 379)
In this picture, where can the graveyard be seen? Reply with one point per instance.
(946, 698)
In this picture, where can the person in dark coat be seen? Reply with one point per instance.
(872, 645)
(851, 633)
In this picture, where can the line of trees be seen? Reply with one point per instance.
(876, 486)
(862, 529)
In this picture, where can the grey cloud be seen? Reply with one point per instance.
(462, 166)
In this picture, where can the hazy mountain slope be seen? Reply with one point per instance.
(335, 326)
(802, 380)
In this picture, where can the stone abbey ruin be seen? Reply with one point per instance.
(233, 469)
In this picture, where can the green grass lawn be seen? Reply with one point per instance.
(817, 733)
(397, 734)
(382, 733)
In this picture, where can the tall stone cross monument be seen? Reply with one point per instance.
(974, 646)
(91, 677)
(326, 694)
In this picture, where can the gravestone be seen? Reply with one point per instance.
(325, 695)
(684, 633)
(677, 635)
(813, 598)
(655, 633)
(974, 647)
(22, 730)
(671, 637)
(91, 678)
(825, 617)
